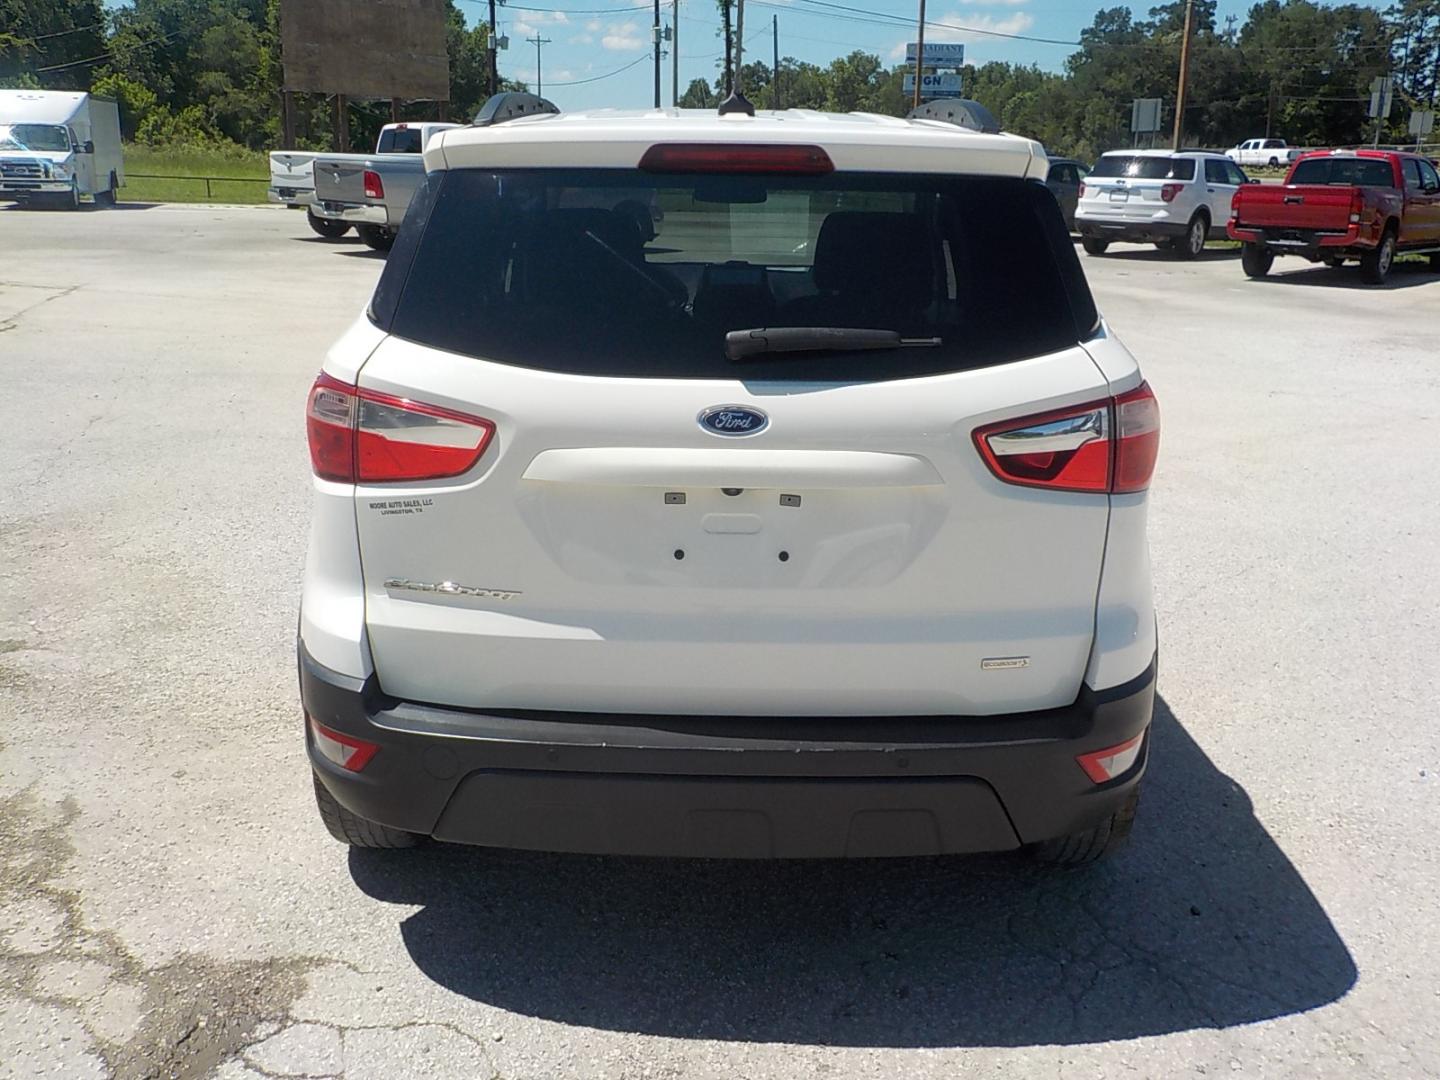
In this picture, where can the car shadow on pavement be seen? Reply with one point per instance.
(1404, 275)
(1153, 254)
(1202, 923)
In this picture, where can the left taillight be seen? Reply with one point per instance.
(374, 189)
(364, 436)
(1167, 191)
(1101, 446)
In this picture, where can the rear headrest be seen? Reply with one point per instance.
(868, 251)
(620, 231)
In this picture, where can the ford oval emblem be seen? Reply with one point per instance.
(733, 420)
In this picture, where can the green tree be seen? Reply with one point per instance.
(56, 34)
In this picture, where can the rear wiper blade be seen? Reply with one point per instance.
(740, 344)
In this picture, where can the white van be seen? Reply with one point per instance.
(59, 146)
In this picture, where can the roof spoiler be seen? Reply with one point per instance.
(511, 106)
(962, 112)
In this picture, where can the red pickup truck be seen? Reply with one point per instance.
(1335, 205)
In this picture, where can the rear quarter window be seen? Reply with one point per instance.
(630, 274)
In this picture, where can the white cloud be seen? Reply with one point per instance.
(627, 37)
(1017, 23)
(583, 39)
(594, 26)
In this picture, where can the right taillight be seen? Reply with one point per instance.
(364, 436)
(1101, 446)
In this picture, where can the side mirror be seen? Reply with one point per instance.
(87, 147)
(1252, 180)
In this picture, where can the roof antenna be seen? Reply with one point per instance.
(736, 103)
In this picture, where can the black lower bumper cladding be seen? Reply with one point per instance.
(730, 787)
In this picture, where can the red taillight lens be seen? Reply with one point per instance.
(365, 436)
(1082, 189)
(737, 158)
(1169, 191)
(1105, 765)
(346, 751)
(1101, 446)
(1137, 439)
(330, 427)
(374, 189)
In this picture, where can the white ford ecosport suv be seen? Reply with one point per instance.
(730, 485)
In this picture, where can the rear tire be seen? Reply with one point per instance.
(331, 230)
(1093, 245)
(1192, 243)
(1435, 262)
(375, 237)
(107, 198)
(1256, 260)
(1375, 265)
(356, 831)
(1274, 163)
(1093, 844)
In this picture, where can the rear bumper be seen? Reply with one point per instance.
(1306, 242)
(746, 787)
(291, 196)
(355, 213)
(1136, 232)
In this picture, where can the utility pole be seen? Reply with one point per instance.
(729, 48)
(490, 44)
(775, 71)
(920, 55)
(537, 41)
(675, 53)
(1184, 76)
(655, 49)
(739, 46)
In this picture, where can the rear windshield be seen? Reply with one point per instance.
(625, 273)
(1362, 172)
(1145, 168)
(400, 141)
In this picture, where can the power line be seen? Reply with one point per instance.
(61, 33)
(608, 74)
(107, 55)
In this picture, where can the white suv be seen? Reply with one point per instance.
(811, 525)
(1176, 201)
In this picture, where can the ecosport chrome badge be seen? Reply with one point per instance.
(733, 421)
(1004, 663)
(450, 588)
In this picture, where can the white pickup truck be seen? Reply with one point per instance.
(1271, 152)
(292, 172)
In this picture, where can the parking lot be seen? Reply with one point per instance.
(171, 905)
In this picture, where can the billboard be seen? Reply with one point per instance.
(934, 85)
(366, 48)
(938, 53)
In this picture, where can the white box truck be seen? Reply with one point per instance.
(58, 147)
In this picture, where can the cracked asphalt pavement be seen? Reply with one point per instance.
(170, 905)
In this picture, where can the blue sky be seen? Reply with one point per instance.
(599, 50)
(590, 38)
